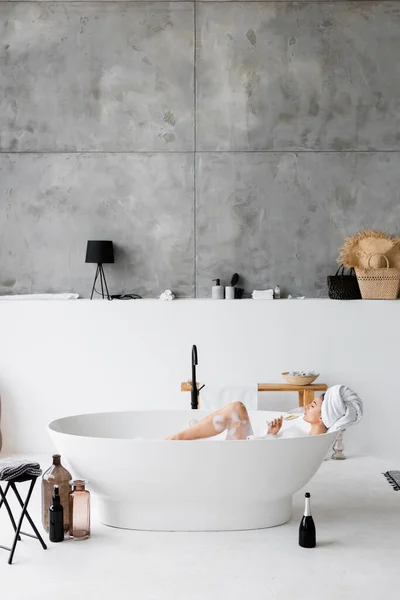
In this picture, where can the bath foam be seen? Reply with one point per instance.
(235, 417)
(231, 434)
(219, 422)
(243, 425)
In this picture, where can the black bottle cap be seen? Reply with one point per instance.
(217, 281)
(307, 495)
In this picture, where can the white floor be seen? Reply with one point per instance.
(357, 515)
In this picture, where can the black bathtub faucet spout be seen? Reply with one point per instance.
(194, 390)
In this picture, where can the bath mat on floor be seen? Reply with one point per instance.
(393, 478)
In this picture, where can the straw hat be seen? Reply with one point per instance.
(357, 249)
(394, 254)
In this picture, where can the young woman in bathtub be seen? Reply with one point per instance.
(338, 408)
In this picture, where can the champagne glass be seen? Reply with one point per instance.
(294, 413)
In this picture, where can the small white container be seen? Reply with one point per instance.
(217, 291)
(229, 292)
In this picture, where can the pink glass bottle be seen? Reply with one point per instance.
(79, 509)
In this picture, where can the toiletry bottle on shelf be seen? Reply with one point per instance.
(56, 517)
(307, 527)
(79, 508)
(217, 291)
(55, 475)
(229, 292)
(277, 292)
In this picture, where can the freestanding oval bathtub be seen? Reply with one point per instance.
(203, 485)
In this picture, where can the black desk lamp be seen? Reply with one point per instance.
(100, 252)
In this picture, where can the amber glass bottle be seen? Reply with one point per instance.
(55, 475)
(79, 509)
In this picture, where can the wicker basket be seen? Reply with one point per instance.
(378, 284)
(299, 379)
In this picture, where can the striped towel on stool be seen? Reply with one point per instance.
(11, 468)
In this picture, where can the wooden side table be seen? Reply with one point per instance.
(305, 392)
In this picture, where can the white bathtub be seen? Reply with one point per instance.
(154, 484)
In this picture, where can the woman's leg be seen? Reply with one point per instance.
(233, 417)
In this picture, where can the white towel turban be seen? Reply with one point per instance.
(341, 407)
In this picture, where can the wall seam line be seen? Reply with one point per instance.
(7, 2)
(106, 152)
(195, 149)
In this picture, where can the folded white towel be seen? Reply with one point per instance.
(341, 407)
(213, 397)
(40, 297)
(167, 295)
(263, 294)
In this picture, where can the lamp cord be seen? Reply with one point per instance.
(125, 297)
(120, 296)
(100, 294)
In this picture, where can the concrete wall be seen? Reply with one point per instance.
(203, 138)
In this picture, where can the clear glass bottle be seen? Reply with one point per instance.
(79, 509)
(55, 475)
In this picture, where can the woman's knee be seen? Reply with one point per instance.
(238, 408)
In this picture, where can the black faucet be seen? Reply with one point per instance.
(194, 390)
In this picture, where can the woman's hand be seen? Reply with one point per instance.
(275, 425)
